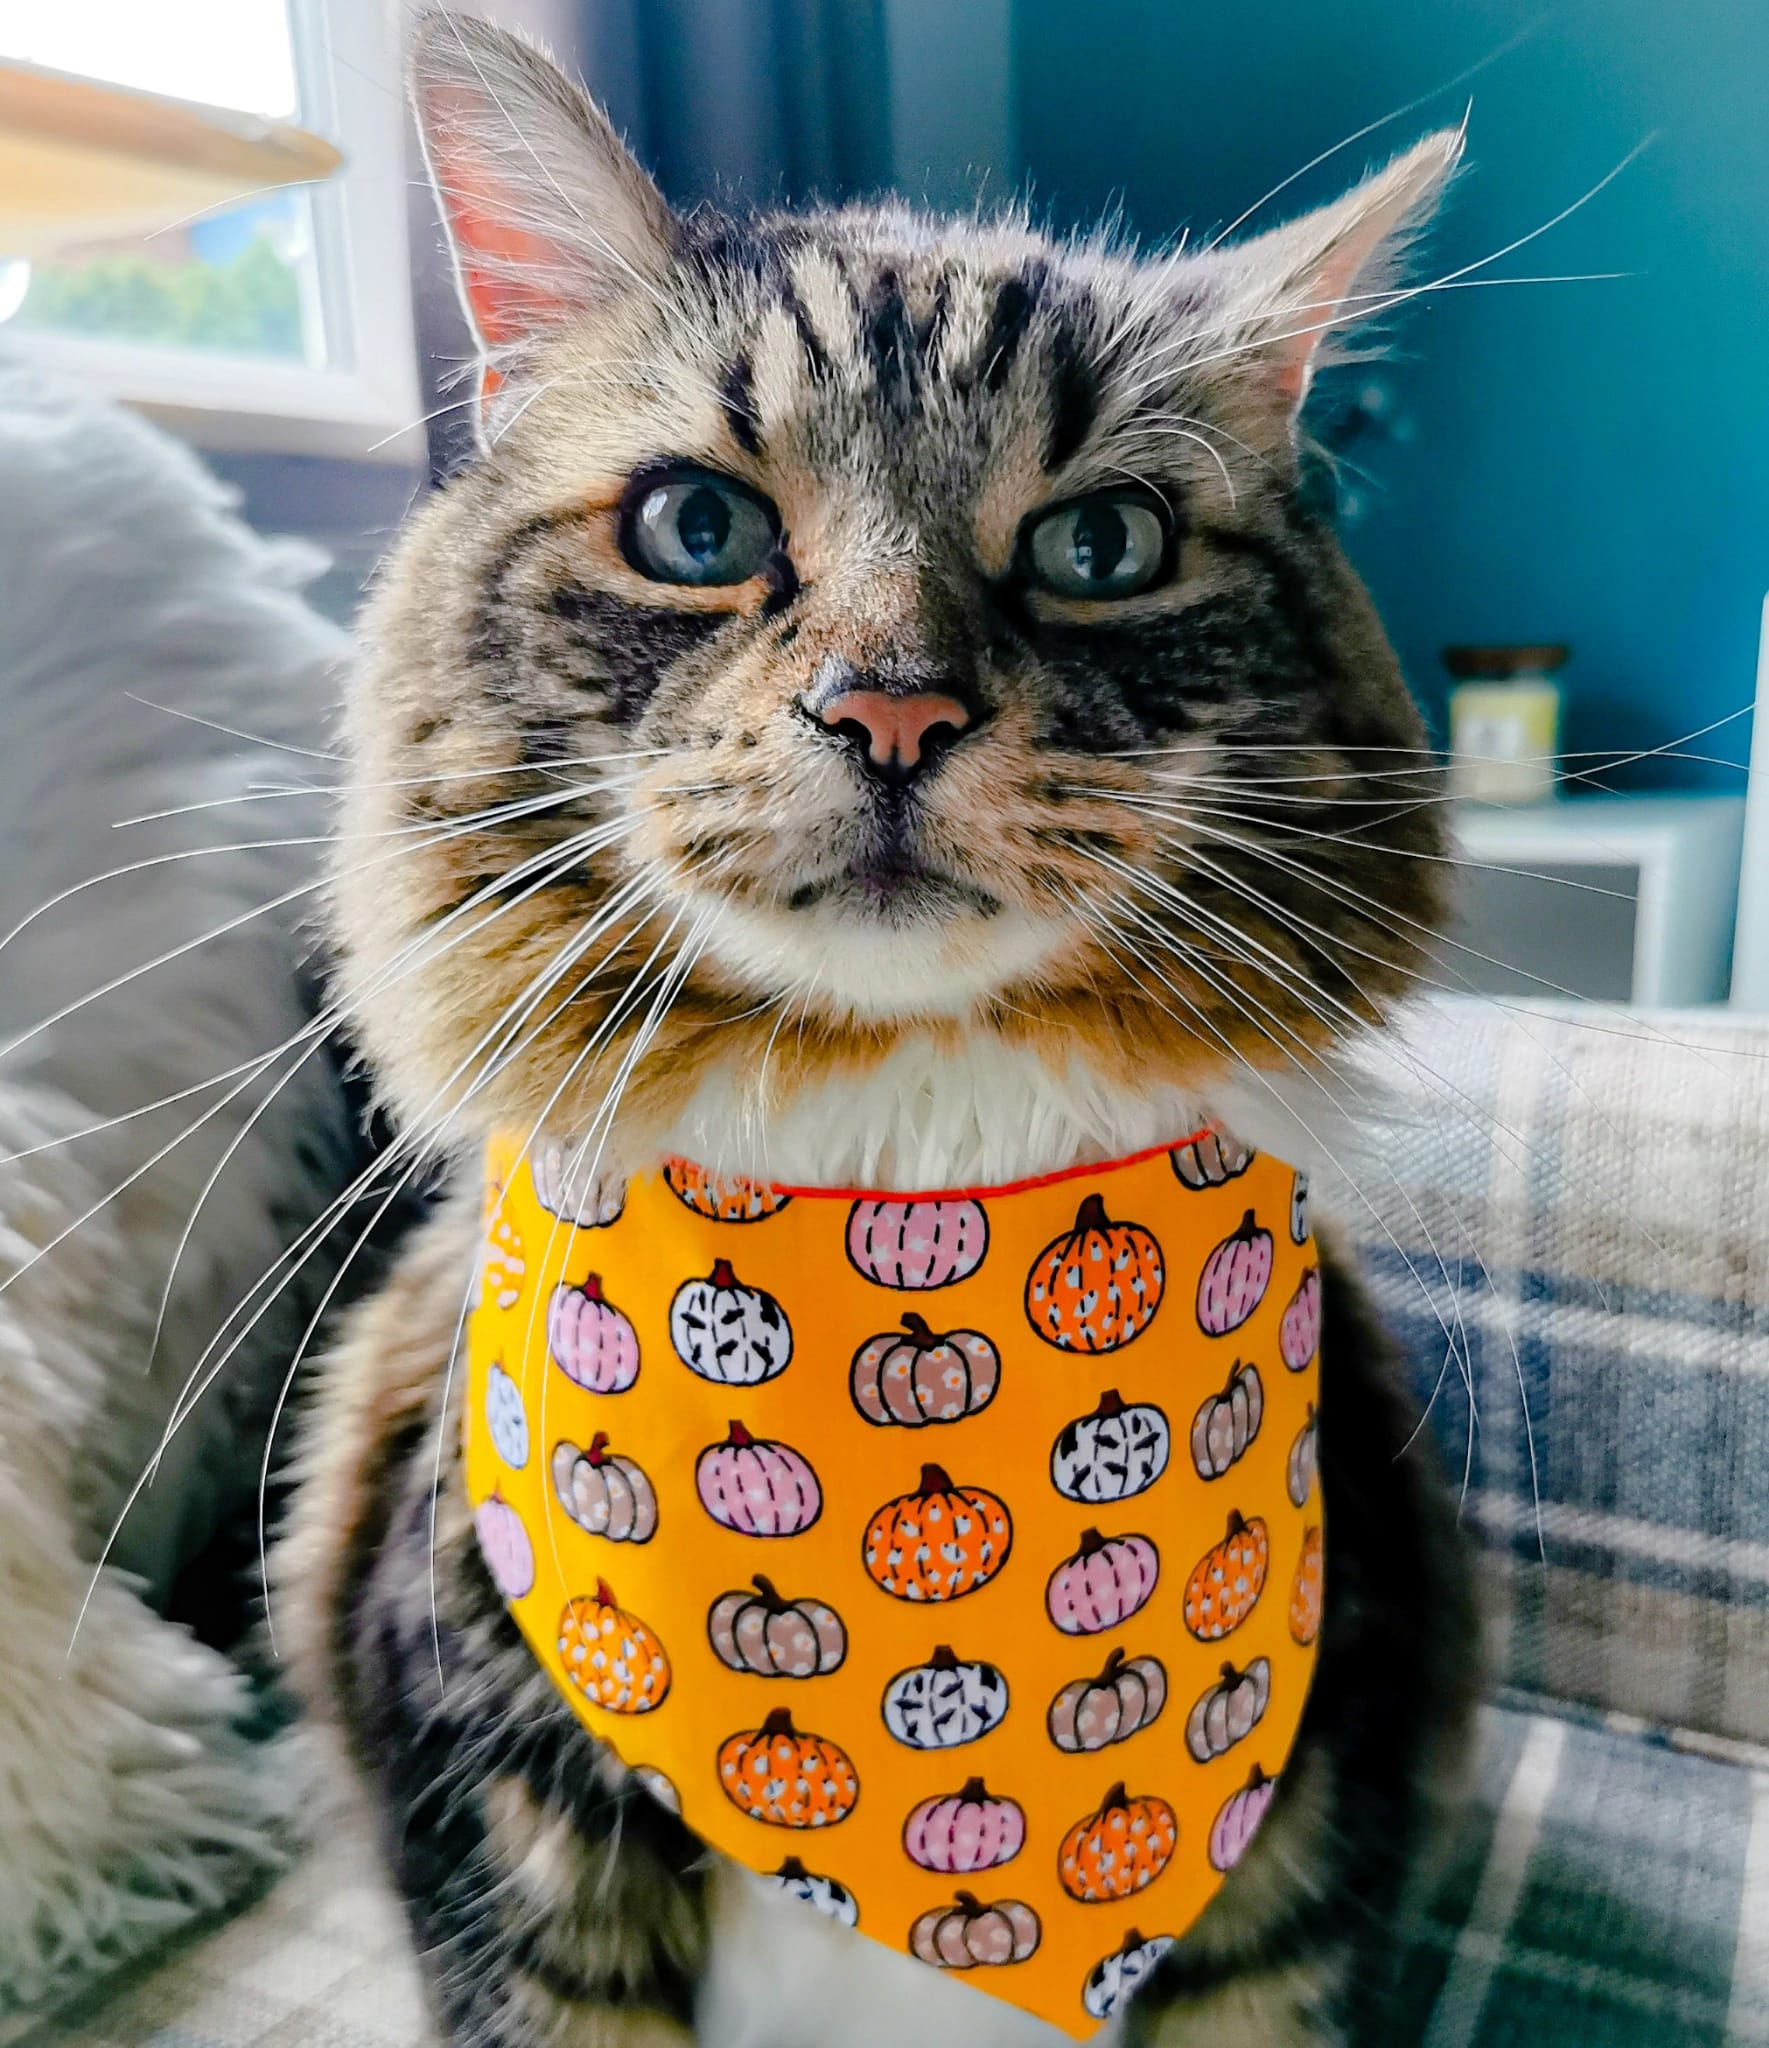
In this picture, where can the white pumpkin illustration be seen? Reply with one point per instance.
(822, 1894)
(506, 1419)
(1119, 1450)
(945, 1702)
(1111, 1980)
(724, 1331)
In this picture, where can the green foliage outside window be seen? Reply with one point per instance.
(250, 305)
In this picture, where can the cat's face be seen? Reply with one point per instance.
(862, 625)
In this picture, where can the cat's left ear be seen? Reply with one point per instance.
(1287, 291)
(548, 214)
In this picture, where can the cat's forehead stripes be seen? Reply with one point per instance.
(903, 334)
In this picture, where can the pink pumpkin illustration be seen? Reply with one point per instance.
(964, 1831)
(1104, 1583)
(1234, 1279)
(757, 1487)
(1238, 1822)
(504, 1544)
(592, 1343)
(1299, 1334)
(914, 1245)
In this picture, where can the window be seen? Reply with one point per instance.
(282, 321)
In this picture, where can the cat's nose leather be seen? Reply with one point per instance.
(896, 735)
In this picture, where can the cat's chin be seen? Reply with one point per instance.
(936, 952)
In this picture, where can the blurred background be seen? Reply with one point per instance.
(1566, 479)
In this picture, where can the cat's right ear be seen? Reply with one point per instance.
(548, 214)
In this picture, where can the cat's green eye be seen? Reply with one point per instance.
(1113, 544)
(690, 526)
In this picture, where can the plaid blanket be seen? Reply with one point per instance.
(1610, 1891)
(1567, 1224)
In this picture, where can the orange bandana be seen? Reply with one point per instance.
(953, 1560)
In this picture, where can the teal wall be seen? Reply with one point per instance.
(1588, 462)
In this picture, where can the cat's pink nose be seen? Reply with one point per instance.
(895, 736)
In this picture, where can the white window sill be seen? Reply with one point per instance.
(238, 404)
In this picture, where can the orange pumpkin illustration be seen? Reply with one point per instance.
(1118, 1851)
(612, 1658)
(1098, 1285)
(1227, 1580)
(726, 1198)
(1306, 1592)
(939, 1542)
(775, 1774)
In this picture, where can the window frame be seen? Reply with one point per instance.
(365, 402)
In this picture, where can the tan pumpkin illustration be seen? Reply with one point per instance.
(775, 1774)
(1093, 1713)
(612, 1658)
(1303, 1463)
(939, 1542)
(1119, 1850)
(1229, 1711)
(1228, 1422)
(1227, 1580)
(969, 1934)
(774, 1637)
(1306, 1592)
(914, 1377)
(1097, 1286)
(726, 1198)
(604, 1494)
(1212, 1157)
(567, 1185)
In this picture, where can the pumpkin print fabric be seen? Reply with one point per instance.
(958, 1531)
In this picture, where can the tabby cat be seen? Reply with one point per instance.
(880, 711)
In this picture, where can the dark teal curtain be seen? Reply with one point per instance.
(745, 101)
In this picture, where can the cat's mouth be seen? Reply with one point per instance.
(895, 887)
(887, 877)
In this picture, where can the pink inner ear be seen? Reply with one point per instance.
(1303, 335)
(504, 268)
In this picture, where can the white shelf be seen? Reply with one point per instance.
(1620, 898)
